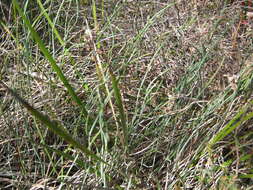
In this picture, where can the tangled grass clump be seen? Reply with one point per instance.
(125, 95)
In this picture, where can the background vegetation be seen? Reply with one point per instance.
(125, 95)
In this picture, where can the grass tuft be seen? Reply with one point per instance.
(125, 95)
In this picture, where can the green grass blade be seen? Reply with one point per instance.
(119, 102)
(79, 162)
(232, 125)
(51, 60)
(94, 15)
(249, 176)
(52, 125)
(44, 12)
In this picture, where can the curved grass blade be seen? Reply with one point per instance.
(52, 125)
(51, 60)
(119, 102)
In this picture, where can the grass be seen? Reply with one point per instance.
(125, 95)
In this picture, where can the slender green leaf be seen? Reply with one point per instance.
(52, 125)
(249, 176)
(50, 58)
(79, 162)
(119, 102)
(44, 12)
(232, 125)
